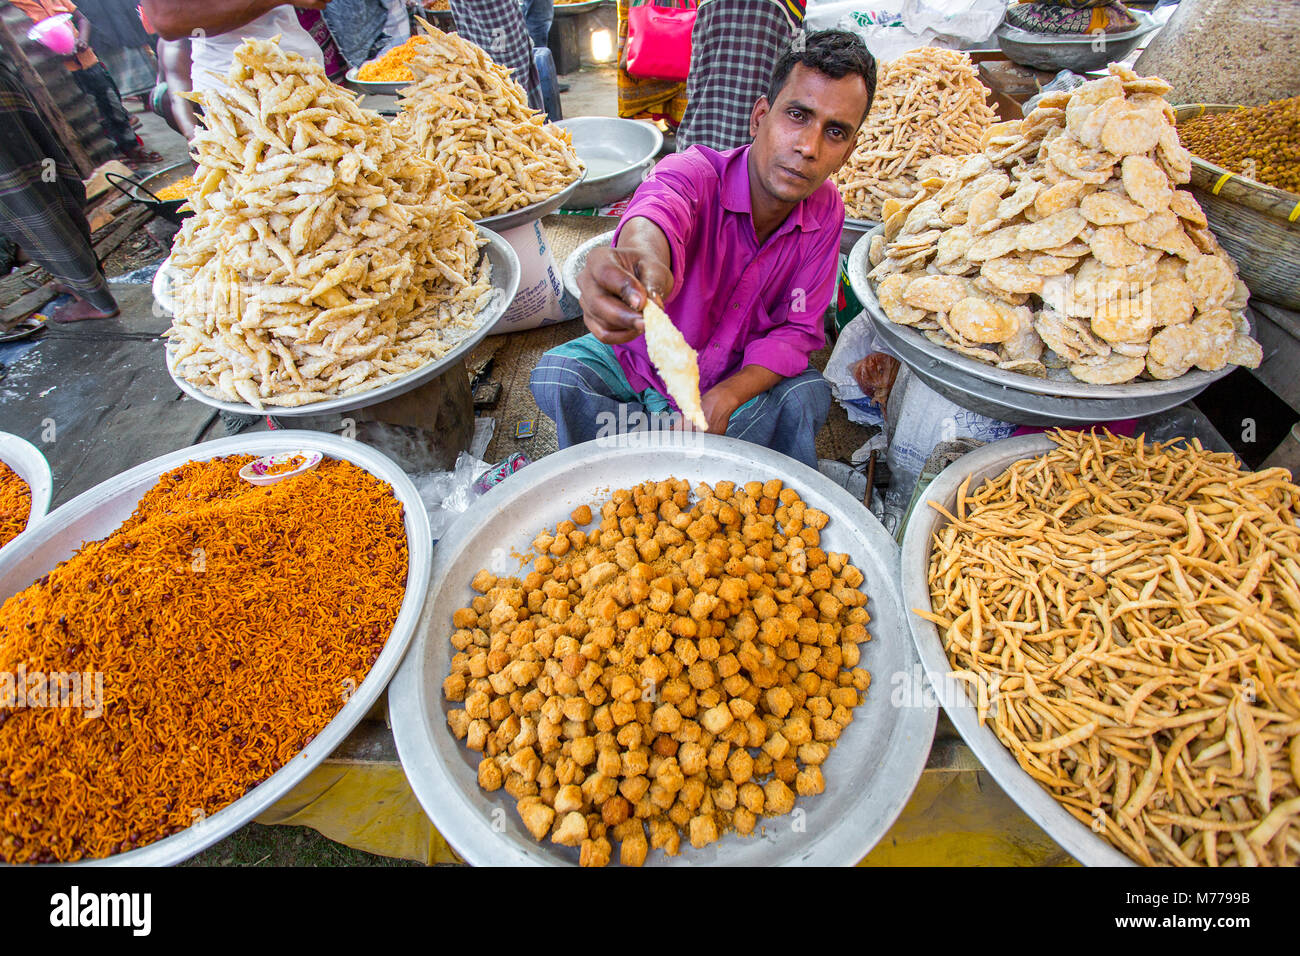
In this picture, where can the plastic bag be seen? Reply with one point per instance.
(890, 28)
(1064, 81)
(918, 419)
(448, 494)
(857, 340)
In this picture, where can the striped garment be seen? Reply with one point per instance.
(734, 48)
(42, 198)
(498, 27)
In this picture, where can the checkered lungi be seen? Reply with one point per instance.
(734, 48)
(42, 198)
(498, 27)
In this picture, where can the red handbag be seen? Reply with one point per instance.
(659, 42)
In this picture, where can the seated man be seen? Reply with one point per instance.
(742, 248)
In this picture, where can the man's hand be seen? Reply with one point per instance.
(615, 284)
(719, 403)
(311, 4)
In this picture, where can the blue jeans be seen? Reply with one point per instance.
(581, 387)
(537, 18)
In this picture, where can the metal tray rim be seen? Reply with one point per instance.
(425, 373)
(529, 214)
(858, 267)
(1078, 840)
(180, 846)
(31, 465)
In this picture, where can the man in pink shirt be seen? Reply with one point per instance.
(742, 248)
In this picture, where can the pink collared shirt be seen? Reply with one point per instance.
(737, 303)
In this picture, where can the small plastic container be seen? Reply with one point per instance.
(273, 468)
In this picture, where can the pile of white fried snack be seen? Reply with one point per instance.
(1066, 244)
(326, 257)
(465, 113)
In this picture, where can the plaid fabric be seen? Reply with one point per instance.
(41, 196)
(498, 27)
(97, 83)
(734, 48)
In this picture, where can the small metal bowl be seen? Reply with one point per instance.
(1078, 53)
(618, 154)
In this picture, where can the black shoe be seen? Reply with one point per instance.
(564, 87)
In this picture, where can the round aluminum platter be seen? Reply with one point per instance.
(983, 463)
(1011, 404)
(505, 282)
(522, 217)
(577, 260)
(99, 511)
(870, 773)
(30, 465)
(622, 151)
(1062, 384)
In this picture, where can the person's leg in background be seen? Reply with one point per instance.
(174, 65)
(96, 82)
(787, 417)
(538, 15)
(42, 201)
(580, 386)
(497, 26)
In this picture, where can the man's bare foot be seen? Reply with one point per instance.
(79, 310)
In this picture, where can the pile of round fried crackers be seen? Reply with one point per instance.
(1066, 244)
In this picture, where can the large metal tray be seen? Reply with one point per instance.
(632, 144)
(870, 774)
(1060, 384)
(1011, 404)
(99, 511)
(30, 465)
(505, 281)
(530, 214)
(983, 463)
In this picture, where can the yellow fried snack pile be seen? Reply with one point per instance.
(1065, 245)
(393, 66)
(177, 190)
(465, 113)
(325, 256)
(929, 106)
(680, 670)
(1128, 619)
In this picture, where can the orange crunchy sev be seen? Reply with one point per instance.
(229, 622)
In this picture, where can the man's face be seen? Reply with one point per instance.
(807, 133)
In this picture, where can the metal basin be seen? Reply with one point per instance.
(99, 511)
(870, 774)
(618, 154)
(1079, 54)
(505, 282)
(504, 221)
(577, 261)
(30, 465)
(984, 463)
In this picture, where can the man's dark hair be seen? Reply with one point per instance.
(837, 53)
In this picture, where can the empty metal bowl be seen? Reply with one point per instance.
(618, 153)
